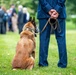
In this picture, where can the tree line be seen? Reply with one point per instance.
(32, 4)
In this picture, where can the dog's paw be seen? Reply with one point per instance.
(32, 58)
(14, 69)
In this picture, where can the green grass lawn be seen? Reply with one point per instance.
(70, 25)
(7, 50)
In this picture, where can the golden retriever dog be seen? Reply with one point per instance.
(25, 49)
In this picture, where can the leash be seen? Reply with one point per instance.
(54, 25)
(45, 25)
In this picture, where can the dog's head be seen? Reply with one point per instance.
(30, 25)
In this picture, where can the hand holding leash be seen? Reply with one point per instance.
(53, 13)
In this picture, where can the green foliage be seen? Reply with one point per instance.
(31, 4)
(7, 51)
(71, 6)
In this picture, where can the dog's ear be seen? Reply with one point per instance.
(34, 23)
(30, 19)
(33, 19)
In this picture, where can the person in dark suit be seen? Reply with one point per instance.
(24, 16)
(2, 26)
(54, 9)
(13, 18)
(13, 10)
(5, 18)
(20, 18)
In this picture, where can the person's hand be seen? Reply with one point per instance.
(53, 13)
(50, 12)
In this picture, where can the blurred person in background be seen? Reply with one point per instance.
(20, 18)
(9, 11)
(24, 15)
(27, 14)
(5, 18)
(2, 27)
(13, 10)
(14, 18)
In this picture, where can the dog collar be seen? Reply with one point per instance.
(30, 29)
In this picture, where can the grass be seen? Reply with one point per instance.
(7, 50)
(70, 25)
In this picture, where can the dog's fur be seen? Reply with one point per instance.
(25, 49)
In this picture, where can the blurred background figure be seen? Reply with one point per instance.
(5, 18)
(9, 11)
(2, 27)
(14, 18)
(24, 15)
(20, 18)
(13, 10)
(27, 13)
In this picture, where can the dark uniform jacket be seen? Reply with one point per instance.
(46, 5)
(1, 15)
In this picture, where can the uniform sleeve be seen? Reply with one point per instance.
(60, 5)
(45, 5)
